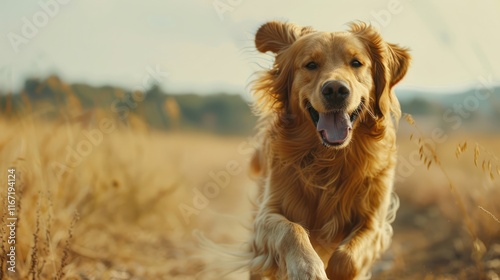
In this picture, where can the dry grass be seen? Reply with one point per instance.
(447, 228)
(115, 214)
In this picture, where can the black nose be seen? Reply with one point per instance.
(335, 91)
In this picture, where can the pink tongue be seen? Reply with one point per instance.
(334, 126)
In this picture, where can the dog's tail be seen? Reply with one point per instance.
(225, 260)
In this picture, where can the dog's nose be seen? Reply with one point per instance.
(335, 91)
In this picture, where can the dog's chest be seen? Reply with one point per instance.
(320, 211)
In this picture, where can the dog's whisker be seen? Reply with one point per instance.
(369, 111)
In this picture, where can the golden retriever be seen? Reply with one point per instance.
(327, 154)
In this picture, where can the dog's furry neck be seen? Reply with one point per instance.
(293, 146)
(326, 174)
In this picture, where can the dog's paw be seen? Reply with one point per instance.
(341, 266)
(306, 268)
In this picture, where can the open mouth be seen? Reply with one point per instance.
(334, 126)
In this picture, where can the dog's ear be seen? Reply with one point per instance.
(398, 62)
(389, 65)
(273, 88)
(275, 36)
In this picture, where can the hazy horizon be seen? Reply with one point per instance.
(207, 46)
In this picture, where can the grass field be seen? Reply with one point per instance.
(104, 201)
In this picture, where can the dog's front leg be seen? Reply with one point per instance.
(282, 249)
(356, 254)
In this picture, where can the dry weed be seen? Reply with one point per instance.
(477, 227)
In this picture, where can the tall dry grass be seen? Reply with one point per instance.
(448, 226)
(114, 215)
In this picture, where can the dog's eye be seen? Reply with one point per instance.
(356, 63)
(312, 65)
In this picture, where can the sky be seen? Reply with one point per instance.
(206, 46)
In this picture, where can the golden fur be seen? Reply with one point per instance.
(321, 205)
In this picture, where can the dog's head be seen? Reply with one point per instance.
(334, 80)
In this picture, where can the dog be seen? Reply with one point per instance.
(327, 153)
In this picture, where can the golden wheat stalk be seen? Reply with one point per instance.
(34, 249)
(64, 259)
(489, 213)
(429, 155)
